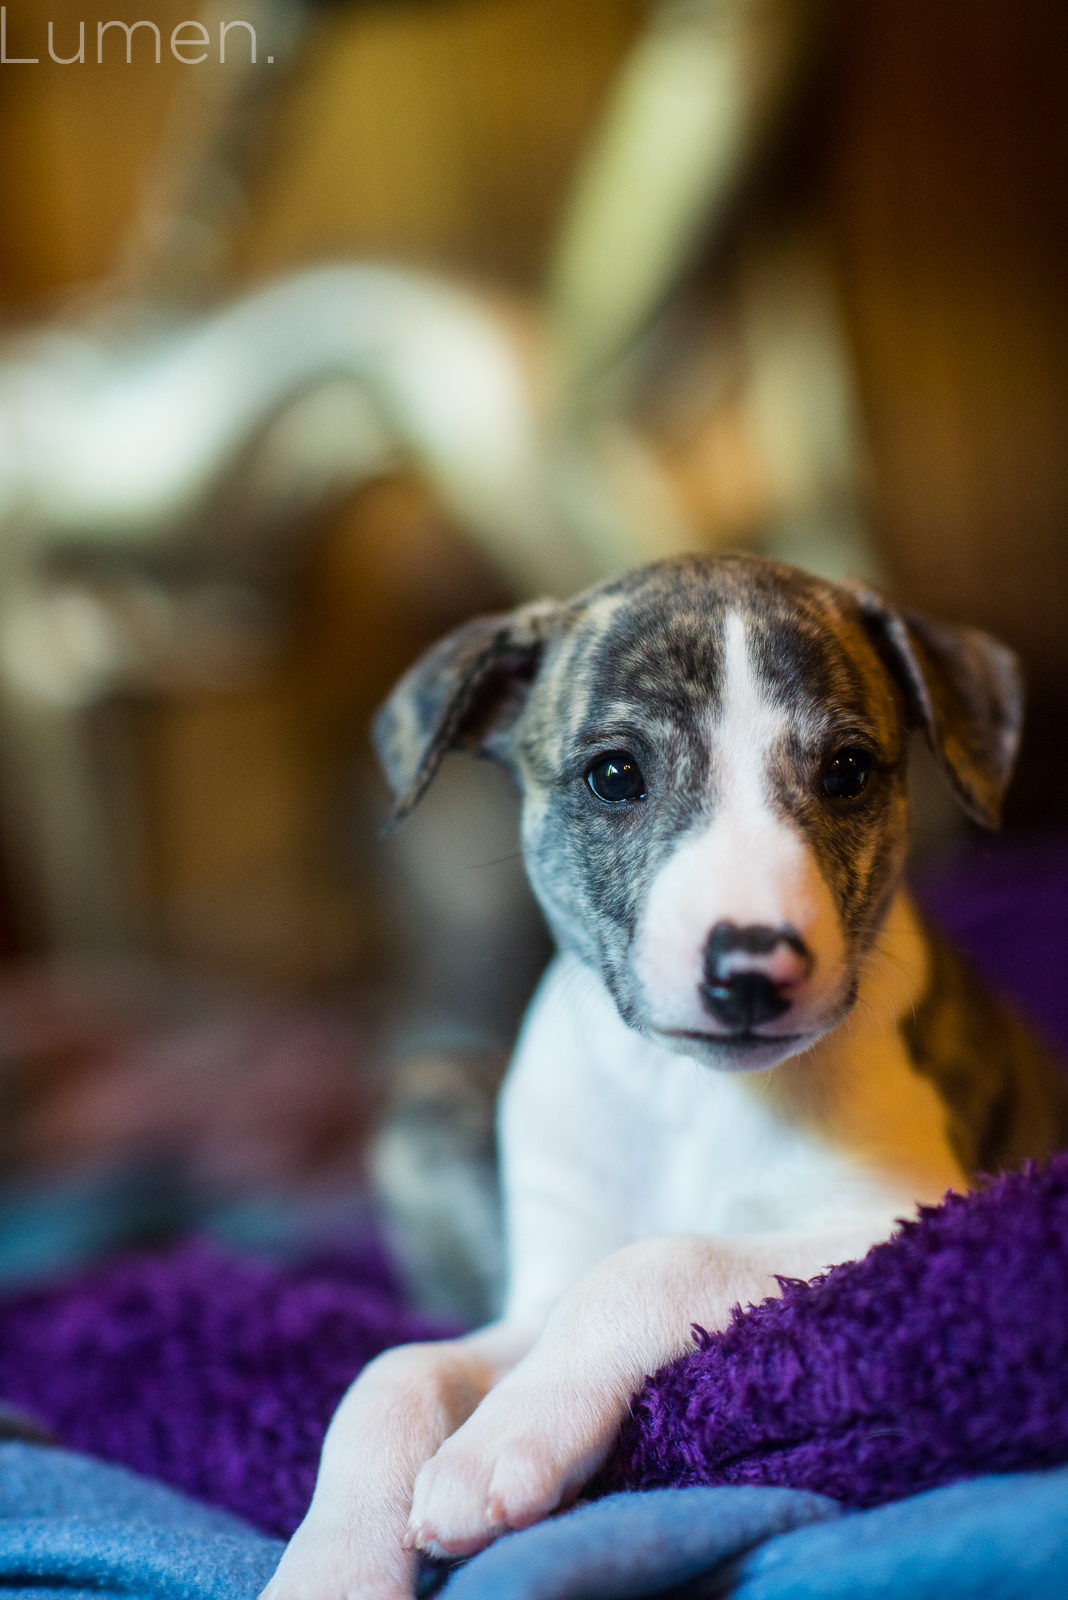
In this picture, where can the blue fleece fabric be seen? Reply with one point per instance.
(70, 1526)
(633, 1544)
(1001, 1537)
(994, 1538)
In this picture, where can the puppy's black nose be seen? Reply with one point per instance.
(751, 972)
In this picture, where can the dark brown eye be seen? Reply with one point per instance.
(846, 774)
(617, 778)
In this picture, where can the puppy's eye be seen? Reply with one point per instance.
(847, 773)
(617, 778)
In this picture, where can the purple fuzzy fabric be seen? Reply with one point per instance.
(216, 1373)
(942, 1354)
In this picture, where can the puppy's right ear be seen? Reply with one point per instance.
(963, 688)
(464, 694)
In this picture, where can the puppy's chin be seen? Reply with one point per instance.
(734, 1052)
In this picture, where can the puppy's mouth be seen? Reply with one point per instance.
(735, 1052)
(736, 1041)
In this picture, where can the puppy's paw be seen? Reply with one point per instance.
(463, 1501)
(511, 1464)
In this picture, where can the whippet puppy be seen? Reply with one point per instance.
(749, 1058)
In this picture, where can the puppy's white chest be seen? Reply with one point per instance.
(709, 1152)
(715, 1159)
(607, 1137)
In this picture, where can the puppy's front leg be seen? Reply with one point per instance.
(351, 1545)
(543, 1431)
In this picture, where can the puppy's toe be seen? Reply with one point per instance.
(450, 1505)
(466, 1497)
(527, 1483)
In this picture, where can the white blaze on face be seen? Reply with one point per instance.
(748, 866)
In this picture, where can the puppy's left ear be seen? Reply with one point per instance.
(464, 694)
(964, 689)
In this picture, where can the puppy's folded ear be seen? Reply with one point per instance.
(964, 689)
(464, 694)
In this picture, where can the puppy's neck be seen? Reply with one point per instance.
(858, 1086)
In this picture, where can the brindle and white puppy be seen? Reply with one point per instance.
(711, 754)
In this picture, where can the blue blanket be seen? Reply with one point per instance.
(994, 1538)
(72, 1527)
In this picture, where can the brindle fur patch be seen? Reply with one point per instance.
(1005, 1095)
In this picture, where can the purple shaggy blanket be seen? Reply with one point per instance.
(216, 1373)
(944, 1353)
(941, 1355)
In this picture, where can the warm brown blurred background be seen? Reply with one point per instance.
(920, 153)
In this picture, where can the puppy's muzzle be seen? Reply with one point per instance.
(751, 974)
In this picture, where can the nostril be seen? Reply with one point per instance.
(744, 1000)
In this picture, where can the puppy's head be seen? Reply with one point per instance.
(711, 753)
